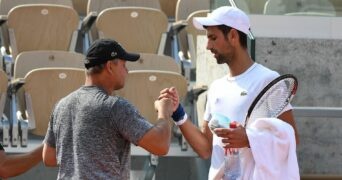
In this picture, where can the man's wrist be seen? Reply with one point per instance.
(179, 116)
(182, 121)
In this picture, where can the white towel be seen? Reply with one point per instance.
(273, 151)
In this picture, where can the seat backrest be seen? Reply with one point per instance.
(44, 88)
(80, 6)
(143, 87)
(3, 91)
(7, 5)
(29, 60)
(42, 27)
(149, 61)
(190, 28)
(185, 7)
(138, 29)
(188, 38)
(100, 5)
(168, 7)
(97, 6)
(255, 6)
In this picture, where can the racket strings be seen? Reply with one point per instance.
(274, 100)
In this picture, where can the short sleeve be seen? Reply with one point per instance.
(131, 125)
(50, 136)
(207, 111)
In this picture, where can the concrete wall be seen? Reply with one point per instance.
(311, 49)
(317, 65)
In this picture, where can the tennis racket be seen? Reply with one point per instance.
(271, 101)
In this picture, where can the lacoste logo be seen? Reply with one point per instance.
(243, 93)
(114, 54)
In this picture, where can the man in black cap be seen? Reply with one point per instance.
(90, 131)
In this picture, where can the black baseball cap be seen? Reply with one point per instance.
(103, 50)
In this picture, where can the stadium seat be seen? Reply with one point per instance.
(30, 60)
(142, 87)
(42, 27)
(95, 7)
(138, 29)
(4, 122)
(185, 7)
(255, 6)
(43, 88)
(7, 5)
(180, 46)
(169, 8)
(191, 35)
(80, 6)
(150, 61)
(100, 5)
(184, 44)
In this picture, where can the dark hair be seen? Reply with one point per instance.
(97, 69)
(226, 29)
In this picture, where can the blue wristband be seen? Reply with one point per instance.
(178, 114)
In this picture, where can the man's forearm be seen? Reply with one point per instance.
(16, 164)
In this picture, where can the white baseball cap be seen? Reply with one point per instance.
(225, 15)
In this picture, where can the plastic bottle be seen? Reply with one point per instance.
(232, 161)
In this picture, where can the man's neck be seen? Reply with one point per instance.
(97, 81)
(240, 64)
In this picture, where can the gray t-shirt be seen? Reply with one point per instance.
(92, 133)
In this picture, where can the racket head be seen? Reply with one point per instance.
(271, 101)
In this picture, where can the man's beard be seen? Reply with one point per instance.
(221, 59)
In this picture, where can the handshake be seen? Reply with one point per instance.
(179, 116)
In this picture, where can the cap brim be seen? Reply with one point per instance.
(199, 22)
(131, 57)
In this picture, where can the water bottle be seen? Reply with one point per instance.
(232, 161)
(232, 166)
(218, 121)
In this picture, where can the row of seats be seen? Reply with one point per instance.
(45, 36)
(56, 27)
(82, 7)
(51, 75)
(43, 77)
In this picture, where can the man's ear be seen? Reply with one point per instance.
(233, 36)
(109, 67)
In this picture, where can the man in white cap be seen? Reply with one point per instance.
(227, 28)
